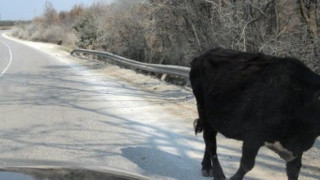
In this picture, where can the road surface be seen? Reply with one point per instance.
(52, 109)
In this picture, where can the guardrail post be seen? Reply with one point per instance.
(188, 84)
(163, 77)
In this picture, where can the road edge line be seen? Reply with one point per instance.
(10, 60)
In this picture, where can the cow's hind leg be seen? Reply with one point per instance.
(293, 168)
(249, 152)
(210, 162)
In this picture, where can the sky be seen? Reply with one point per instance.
(27, 9)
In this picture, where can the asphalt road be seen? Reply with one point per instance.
(52, 110)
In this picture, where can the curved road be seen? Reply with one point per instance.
(52, 110)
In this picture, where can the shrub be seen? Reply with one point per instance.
(86, 31)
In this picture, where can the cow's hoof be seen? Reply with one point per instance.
(207, 172)
(219, 178)
(236, 178)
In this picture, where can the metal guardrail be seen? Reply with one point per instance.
(155, 68)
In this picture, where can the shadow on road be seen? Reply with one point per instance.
(170, 152)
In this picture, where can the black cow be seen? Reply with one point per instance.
(259, 99)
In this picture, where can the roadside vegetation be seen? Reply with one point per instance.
(176, 31)
(6, 25)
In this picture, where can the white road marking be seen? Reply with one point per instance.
(10, 60)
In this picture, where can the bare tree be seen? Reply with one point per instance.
(308, 9)
(50, 14)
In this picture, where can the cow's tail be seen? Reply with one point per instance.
(198, 128)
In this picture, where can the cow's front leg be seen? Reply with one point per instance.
(210, 162)
(249, 152)
(293, 168)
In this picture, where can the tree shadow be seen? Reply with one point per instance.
(155, 161)
(162, 148)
